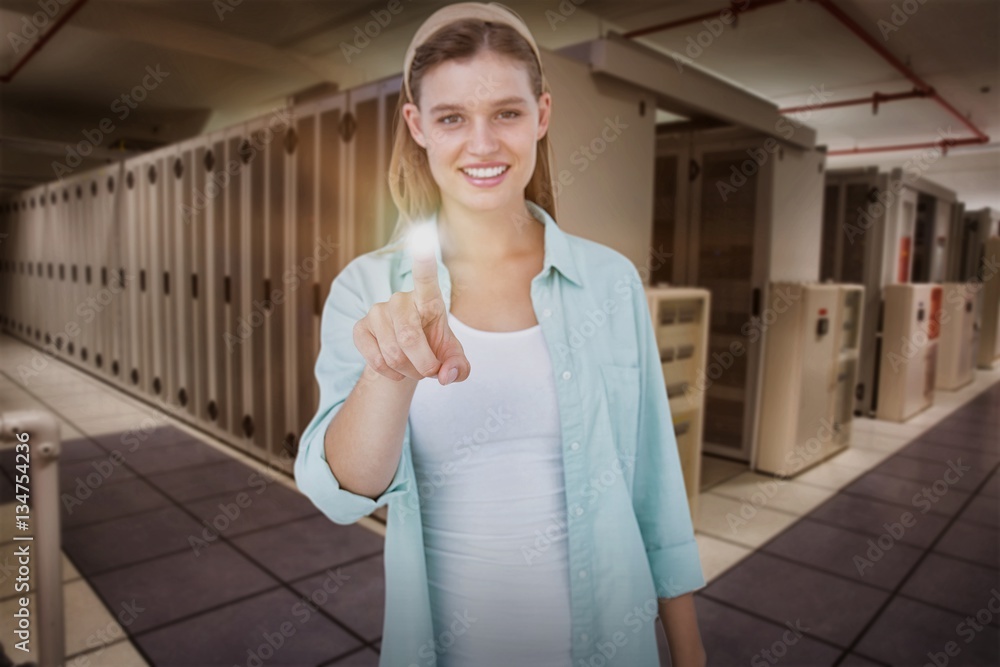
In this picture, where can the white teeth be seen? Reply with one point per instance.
(485, 173)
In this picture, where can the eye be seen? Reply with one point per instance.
(444, 119)
(514, 114)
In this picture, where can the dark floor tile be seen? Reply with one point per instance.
(82, 504)
(732, 637)
(832, 608)
(354, 594)
(982, 409)
(992, 486)
(907, 631)
(855, 660)
(366, 657)
(975, 441)
(975, 413)
(875, 518)
(143, 438)
(927, 450)
(79, 449)
(237, 512)
(847, 553)
(209, 480)
(169, 458)
(973, 542)
(954, 585)
(8, 459)
(99, 547)
(307, 546)
(919, 497)
(172, 587)
(246, 633)
(959, 472)
(980, 436)
(8, 491)
(108, 469)
(984, 510)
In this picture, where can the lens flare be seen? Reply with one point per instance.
(421, 241)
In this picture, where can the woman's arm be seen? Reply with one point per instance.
(680, 623)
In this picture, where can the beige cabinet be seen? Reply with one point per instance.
(810, 374)
(959, 343)
(989, 341)
(680, 318)
(908, 350)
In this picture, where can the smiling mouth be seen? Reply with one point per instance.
(490, 172)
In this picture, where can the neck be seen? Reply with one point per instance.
(486, 236)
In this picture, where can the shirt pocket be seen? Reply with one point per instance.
(621, 390)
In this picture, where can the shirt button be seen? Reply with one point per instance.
(567, 375)
(579, 511)
(583, 574)
(546, 312)
(575, 446)
(584, 637)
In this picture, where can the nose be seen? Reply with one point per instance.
(483, 139)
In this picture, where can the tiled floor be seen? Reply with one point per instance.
(894, 561)
(810, 571)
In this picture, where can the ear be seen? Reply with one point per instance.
(411, 114)
(544, 113)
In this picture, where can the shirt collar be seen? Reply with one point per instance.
(558, 253)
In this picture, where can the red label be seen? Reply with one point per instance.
(903, 275)
(934, 326)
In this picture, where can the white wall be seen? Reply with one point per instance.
(973, 174)
(608, 195)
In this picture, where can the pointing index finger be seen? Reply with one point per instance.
(422, 242)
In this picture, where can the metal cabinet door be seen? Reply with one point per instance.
(727, 254)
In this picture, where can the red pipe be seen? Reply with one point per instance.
(874, 100)
(944, 145)
(734, 7)
(923, 89)
(60, 22)
(903, 69)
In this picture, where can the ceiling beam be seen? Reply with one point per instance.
(124, 22)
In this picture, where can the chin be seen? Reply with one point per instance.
(485, 198)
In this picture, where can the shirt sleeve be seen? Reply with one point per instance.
(659, 496)
(338, 369)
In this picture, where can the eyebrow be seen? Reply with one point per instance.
(437, 108)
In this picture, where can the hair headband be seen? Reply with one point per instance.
(493, 12)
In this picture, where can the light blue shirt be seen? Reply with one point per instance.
(628, 525)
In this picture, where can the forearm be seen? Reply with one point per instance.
(680, 624)
(364, 441)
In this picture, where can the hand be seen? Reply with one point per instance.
(408, 336)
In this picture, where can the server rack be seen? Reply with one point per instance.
(989, 344)
(733, 224)
(883, 228)
(208, 262)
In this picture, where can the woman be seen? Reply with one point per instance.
(537, 513)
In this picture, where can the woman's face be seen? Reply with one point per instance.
(479, 114)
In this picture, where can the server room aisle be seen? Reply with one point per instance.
(146, 581)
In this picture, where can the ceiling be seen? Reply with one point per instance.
(223, 61)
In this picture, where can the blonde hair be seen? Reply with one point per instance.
(414, 191)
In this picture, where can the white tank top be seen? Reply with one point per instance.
(487, 454)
